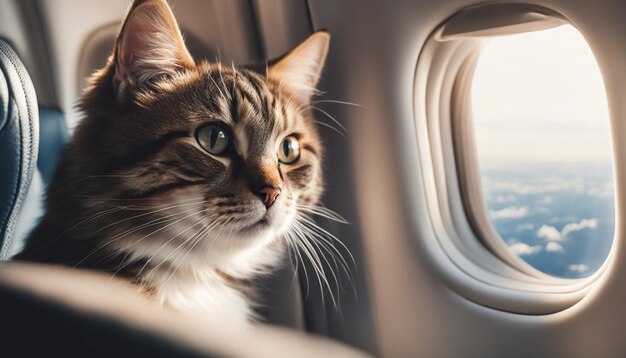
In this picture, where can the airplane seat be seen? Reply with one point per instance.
(42, 133)
(19, 142)
(53, 136)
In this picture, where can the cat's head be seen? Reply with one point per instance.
(220, 158)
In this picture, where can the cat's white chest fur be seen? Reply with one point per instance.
(206, 282)
(205, 292)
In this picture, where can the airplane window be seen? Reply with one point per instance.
(543, 139)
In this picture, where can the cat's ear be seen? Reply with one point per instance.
(149, 47)
(299, 70)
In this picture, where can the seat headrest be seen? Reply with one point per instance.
(19, 140)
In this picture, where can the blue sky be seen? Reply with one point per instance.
(561, 221)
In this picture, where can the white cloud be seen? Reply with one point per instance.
(525, 227)
(583, 224)
(578, 267)
(509, 213)
(554, 247)
(502, 199)
(543, 186)
(602, 191)
(547, 200)
(549, 233)
(521, 248)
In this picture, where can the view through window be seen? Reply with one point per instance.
(544, 148)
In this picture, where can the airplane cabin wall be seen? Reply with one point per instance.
(376, 45)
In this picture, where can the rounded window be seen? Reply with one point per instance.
(516, 158)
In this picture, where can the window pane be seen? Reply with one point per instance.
(543, 140)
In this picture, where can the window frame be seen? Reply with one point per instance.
(468, 252)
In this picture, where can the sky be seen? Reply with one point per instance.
(560, 221)
(539, 96)
(543, 140)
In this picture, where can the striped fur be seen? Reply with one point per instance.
(137, 196)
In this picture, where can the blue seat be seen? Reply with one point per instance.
(53, 136)
(19, 138)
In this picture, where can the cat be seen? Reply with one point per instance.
(188, 179)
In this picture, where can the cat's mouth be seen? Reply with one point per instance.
(257, 226)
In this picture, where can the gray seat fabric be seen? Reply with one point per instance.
(19, 138)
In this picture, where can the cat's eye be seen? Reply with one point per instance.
(214, 138)
(289, 150)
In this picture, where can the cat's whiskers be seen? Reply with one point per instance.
(292, 257)
(307, 237)
(219, 68)
(321, 272)
(196, 212)
(217, 86)
(324, 124)
(151, 212)
(304, 245)
(100, 176)
(230, 229)
(323, 212)
(323, 244)
(334, 253)
(128, 249)
(175, 251)
(341, 130)
(329, 116)
(199, 236)
(293, 243)
(338, 102)
(93, 217)
(325, 237)
(103, 213)
(106, 200)
(154, 222)
(292, 97)
(113, 210)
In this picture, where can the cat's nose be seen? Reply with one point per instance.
(268, 195)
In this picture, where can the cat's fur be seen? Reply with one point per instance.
(137, 196)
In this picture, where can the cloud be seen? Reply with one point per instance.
(502, 199)
(540, 186)
(509, 213)
(525, 227)
(546, 200)
(554, 247)
(549, 233)
(522, 249)
(583, 224)
(602, 191)
(578, 268)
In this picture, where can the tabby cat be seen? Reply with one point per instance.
(188, 179)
